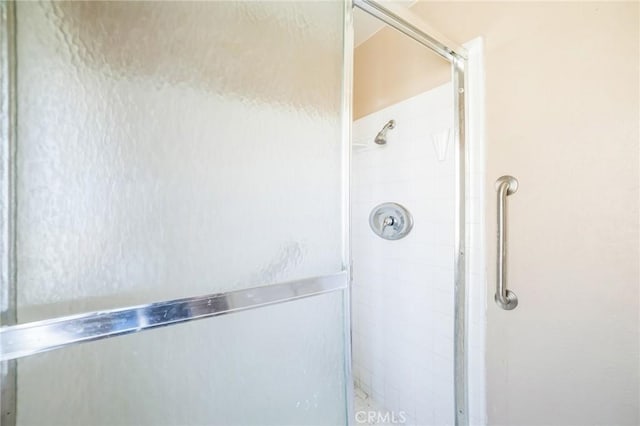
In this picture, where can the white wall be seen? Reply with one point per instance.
(475, 247)
(403, 290)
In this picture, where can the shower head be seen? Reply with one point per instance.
(381, 137)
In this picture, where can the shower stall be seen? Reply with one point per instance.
(167, 162)
(410, 168)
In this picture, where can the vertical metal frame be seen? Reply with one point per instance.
(347, 120)
(8, 314)
(411, 26)
(458, 67)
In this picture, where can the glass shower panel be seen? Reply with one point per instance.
(171, 149)
(237, 369)
(174, 149)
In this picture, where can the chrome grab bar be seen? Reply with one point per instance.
(506, 299)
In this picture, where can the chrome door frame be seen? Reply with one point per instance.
(404, 21)
(347, 121)
(8, 314)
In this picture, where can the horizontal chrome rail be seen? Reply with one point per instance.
(506, 299)
(34, 337)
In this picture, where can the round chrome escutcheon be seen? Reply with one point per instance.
(390, 221)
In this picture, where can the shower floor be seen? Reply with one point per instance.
(364, 405)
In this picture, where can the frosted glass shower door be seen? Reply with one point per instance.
(168, 150)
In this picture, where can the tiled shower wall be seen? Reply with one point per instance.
(403, 290)
(403, 298)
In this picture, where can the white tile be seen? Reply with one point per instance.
(403, 289)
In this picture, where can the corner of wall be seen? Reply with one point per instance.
(476, 258)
